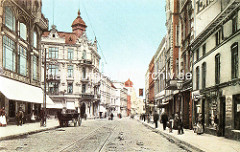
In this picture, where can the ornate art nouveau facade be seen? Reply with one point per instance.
(73, 67)
(22, 24)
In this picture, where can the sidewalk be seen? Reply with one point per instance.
(193, 142)
(13, 131)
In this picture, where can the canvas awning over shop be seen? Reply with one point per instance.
(55, 106)
(71, 106)
(19, 91)
(163, 105)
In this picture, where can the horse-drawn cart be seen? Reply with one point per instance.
(64, 119)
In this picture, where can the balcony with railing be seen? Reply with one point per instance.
(85, 79)
(51, 77)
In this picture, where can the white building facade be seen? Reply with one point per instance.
(22, 24)
(216, 90)
(72, 68)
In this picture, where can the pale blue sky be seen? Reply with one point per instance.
(128, 31)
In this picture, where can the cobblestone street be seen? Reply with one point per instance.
(93, 135)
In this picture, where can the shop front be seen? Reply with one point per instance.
(15, 95)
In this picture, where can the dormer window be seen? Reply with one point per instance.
(53, 35)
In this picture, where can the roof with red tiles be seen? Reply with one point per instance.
(79, 21)
(128, 83)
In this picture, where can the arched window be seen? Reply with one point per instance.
(9, 18)
(197, 78)
(204, 69)
(35, 39)
(217, 68)
(234, 51)
(84, 54)
(22, 30)
(84, 72)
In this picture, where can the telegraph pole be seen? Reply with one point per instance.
(44, 98)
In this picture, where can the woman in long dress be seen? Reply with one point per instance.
(199, 125)
(4, 120)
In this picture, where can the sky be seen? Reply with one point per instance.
(128, 32)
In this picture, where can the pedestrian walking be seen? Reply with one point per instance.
(179, 124)
(199, 129)
(156, 118)
(171, 121)
(144, 117)
(111, 116)
(20, 116)
(164, 119)
(3, 118)
(43, 118)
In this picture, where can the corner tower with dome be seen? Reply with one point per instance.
(72, 66)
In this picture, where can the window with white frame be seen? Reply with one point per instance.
(217, 68)
(35, 67)
(53, 53)
(9, 54)
(9, 18)
(52, 69)
(84, 54)
(70, 54)
(84, 72)
(70, 88)
(35, 39)
(22, 60)
(23, 31)
(84, 88)
(70, 71)
(235, 60)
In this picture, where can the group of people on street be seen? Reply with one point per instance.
(171, 123)
(3, 119)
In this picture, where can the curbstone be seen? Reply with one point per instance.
(182, 144)
(27, 133)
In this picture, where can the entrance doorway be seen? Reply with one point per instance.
(12, 108)
(203, 112)
(83, 109)
(236, 100)
(222, 116)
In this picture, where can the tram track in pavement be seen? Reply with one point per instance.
(105, 131)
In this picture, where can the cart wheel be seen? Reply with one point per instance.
(79, 121)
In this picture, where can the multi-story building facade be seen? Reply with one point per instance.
(108, 97)
(146, 90)
(151, 100)
(215, 72)
(185, 86)
(128, 85)
(22, 24)
(172, 58)
(159, 74)
(73, 68)
(121, 98)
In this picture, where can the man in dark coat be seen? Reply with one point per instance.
(156, 118)
(164, 119)
(144, 117)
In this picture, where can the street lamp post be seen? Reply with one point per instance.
(44, 96)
